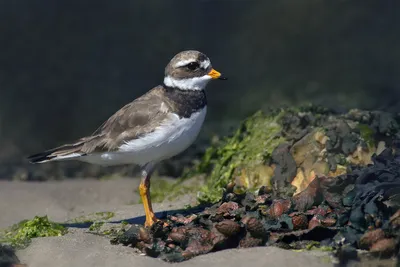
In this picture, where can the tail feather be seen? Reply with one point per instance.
(59, 153)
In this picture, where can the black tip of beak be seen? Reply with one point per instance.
(222, 78)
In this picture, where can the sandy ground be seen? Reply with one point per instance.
(66, 200)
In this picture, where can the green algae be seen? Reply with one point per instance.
(105, 215)
(108, 229)
(367, 134)
(250, 146)
(110, 176)
(162, 189)
(19, 235)
(314, 245)
(93, 217)
(244, 158)
(95, 227)
(246, 150)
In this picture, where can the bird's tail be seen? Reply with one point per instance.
(64, 152)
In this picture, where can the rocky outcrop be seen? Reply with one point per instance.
(286, 149)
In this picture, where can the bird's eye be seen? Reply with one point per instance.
(193, 65)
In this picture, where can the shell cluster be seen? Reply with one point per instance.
(354, 210)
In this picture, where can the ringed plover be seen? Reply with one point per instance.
(156, 126)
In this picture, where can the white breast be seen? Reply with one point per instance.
(169, 139)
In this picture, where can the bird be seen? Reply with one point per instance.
(156, 126)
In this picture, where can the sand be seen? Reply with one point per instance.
(65, 200)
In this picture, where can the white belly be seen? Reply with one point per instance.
(169, 139)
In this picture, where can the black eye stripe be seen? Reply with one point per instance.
(193, 65)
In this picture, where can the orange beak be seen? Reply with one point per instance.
(216, 75)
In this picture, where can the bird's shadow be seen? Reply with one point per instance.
(141, 219)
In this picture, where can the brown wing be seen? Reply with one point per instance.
(135, 119)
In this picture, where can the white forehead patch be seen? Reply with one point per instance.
(184, 63)
(195, 83)
(204, 64)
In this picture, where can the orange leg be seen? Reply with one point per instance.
(144, 189)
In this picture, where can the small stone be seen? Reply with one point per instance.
(279, 207)
(378, 223)
(199, 233)
(314, 222)
(227, 207)
(183, 220)
(255, 227)
(178, 235)
(384, 247)
(141, 246)
(198, 247)
(274, 237)
(308, 197)
(370, 238)
(187, 255)
(328, 222)
(299, 221)
(249, 242)
(218, 239)
(228, 227)
(317, 211)
(395, 219)
(131, 236)
(144, 235)
(262, 199)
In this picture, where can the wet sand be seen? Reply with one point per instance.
(65, 200)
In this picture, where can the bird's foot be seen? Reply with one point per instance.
(151, 220)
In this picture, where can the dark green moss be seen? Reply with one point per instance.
(20, 234)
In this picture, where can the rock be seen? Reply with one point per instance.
(370, 238)
(80, 246)
(299, 221)
(296, 145)
(249, 242)
(328, 222)
(179, 235)
(279, 207)
(8, 258)
(226, 208)
(255, 227)
(395, 219)
(314, 222)
(384, 247)
(228, 227)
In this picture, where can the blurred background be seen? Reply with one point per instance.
(67, 65)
